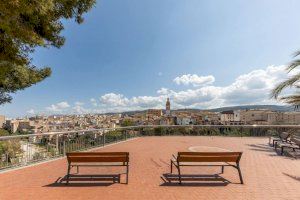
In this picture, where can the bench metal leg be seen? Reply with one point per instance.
(282, 150)
(240, 173)
(222, 171)
(179, 174)
(171, 164)
(127, 171)
(68, 174)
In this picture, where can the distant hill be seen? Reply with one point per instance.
(245, 107)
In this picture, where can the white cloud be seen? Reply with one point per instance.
(59, 107)
(250, 88)
(78, 103)
(93, 101)
(63, 105)
(78, 109)
(194, 79)
(254, 87)
(114, 100)
(31, 112)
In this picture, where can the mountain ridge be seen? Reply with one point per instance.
(221, 109)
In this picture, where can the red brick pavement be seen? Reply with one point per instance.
(266, 174)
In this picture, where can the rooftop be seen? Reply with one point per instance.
(266, 174)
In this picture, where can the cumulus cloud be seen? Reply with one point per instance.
(59, 107)
(250, 88)
(254, 87)
(93, 101)
(78, 103)
(78, 109)
(31, 112)
(114, 100)
(194, 79)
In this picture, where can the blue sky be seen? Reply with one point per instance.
(132, 54)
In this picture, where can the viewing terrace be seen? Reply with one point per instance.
(34, 167)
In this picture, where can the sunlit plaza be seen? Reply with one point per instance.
(266, 174)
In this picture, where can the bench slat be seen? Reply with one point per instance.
(207, 159)
(209, 153)
(97, 159)
(209, 156)
(96, 153)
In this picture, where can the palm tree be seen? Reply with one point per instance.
(292, 82)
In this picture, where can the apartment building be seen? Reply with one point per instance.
(231, 117)
(2, 121)
(185, 121)
(19, 125)
(284, 118)
(155, 112)
(210, 117)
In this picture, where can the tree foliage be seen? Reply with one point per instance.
(25, 25)
(292, 82)
(17, 77)
(127, 122)
(3, 132)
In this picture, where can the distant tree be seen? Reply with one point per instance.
(22, 132)
(9, 148)
(25, 25)
(127, 122)
(292, 82)
(3, 132)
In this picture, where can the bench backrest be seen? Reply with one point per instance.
(98, 157)
(296, 140)
(209, 156)
(284, 135)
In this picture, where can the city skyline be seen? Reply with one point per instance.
(132, 55)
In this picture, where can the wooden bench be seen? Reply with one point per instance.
(282, 137)
(221, 159)
(99, 159)
(293, 143)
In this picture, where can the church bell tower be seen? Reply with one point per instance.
(168, 107)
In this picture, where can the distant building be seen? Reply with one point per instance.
(19, 125)
(255, 116)
(283, 118)
(185, 121)
(155, 112)
(2, 121)
(231, 117)
(168, 107)
(167, 120)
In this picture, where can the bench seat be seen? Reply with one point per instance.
(222, 159)
(97, 159)
(293, 144)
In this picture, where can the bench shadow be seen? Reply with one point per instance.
(86, 180)
(288, 154)
(269, 149)
(261, 147)
(297, 178)
(202, 180)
